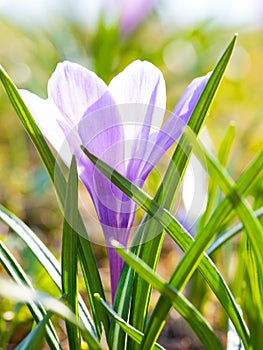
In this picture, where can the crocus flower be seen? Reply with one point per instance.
(119, 123)
(129, 14)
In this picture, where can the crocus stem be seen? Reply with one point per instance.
(116, 265)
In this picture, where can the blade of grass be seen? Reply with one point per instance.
(214, 195)
(226, 144)
(241, 206)
(251, 224)
(22, 294)
(244, 185)
(35, 339)
(86, 254)
(127, 328)
(182, 238)
(223, 155)
(69, 258)
(38, 312)
(179, 302)
(225, 236)
(45, 257)
(122, 304)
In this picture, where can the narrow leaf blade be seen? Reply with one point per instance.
(180, 303)
(69, 253)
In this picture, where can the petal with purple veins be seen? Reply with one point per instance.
(176, 123)
(74, 89)
(139, 92)
(46, 116)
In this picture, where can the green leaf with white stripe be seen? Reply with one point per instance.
(199, 325)
(69, 257)
(21, 294)
(45, 258)
(38, 312)
(128, 329)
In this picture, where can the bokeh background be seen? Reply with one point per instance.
(183, 38)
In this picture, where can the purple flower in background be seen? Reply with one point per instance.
(119, 123)
(129, 14)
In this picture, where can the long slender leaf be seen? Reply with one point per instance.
(182, 238)
(35, 339)
(69, 262)
(128, 329)
(244, 185)
(225, 236)
(45, 257)
(223, 155)
(226, 144)
(86, 254)
(20, 293)
(241, 206)
(180, 303)
(38, 312)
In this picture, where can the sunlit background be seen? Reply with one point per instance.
(183, 38)
(173, 12)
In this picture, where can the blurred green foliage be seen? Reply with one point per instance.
(30, 55)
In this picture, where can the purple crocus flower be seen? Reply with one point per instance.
(129, 14)
(119, 123)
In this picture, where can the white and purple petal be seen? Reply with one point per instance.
(74, 89)
(140, 93)
(176, 123)
(46, 116)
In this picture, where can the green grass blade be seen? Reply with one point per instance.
(240, 205)
(183, 239)
(167, 193)
(22, 294)
(130, 330)
(38, 312)
(251, 224)
(85, 251)
(122, 304)
(180, 303)
(244, 185)
(99, 315)
(223, 155)
(45, 257)
(69, 259)
(35, 339)
(225, 236)
(32, 129)
(226, 145)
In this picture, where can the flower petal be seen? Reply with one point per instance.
(134, 12)
(101, 132)
(176, 123)
(46, 115)
(139, 91)
(141, 83)
(74, 89)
